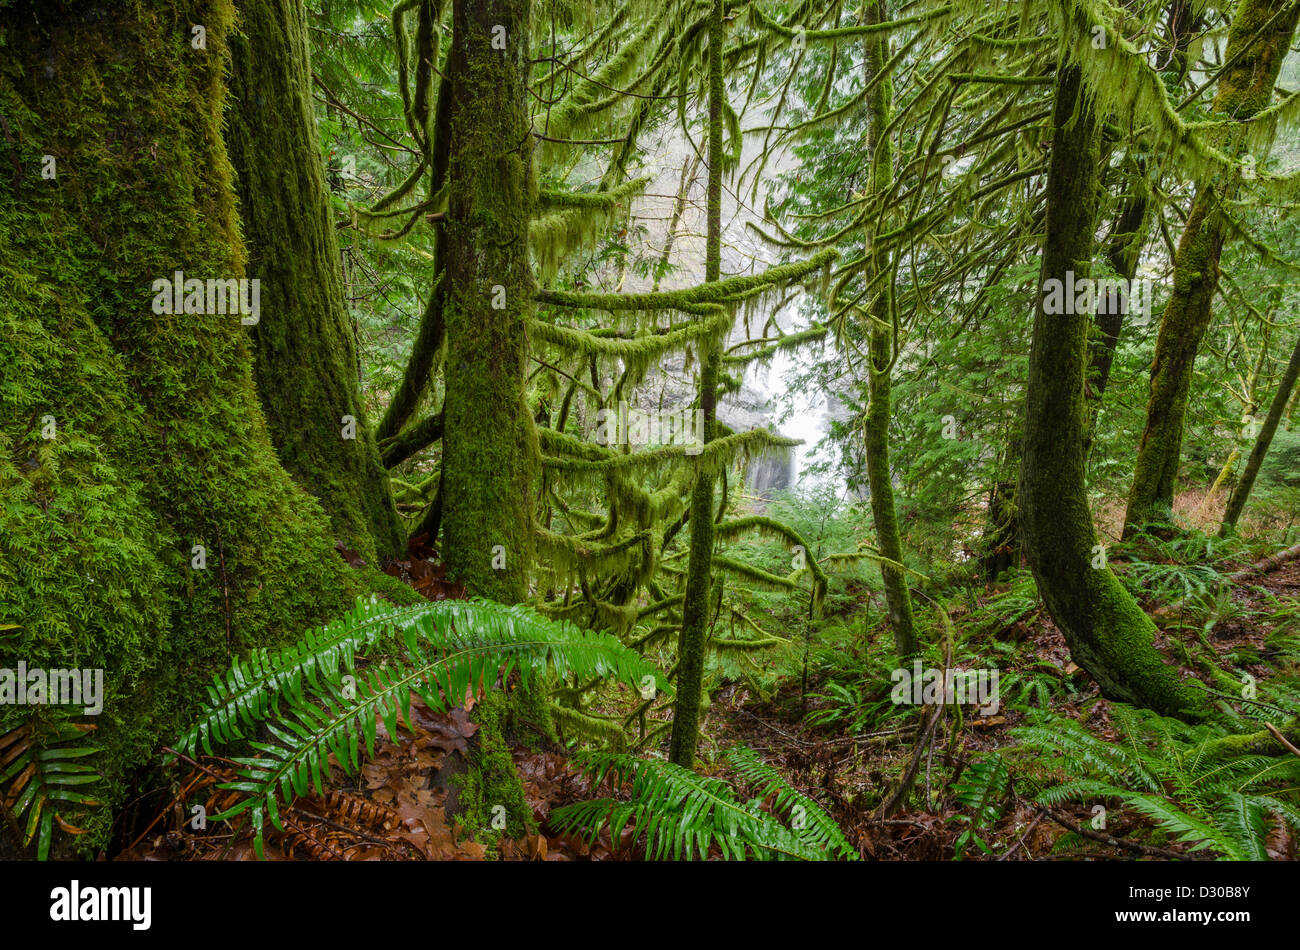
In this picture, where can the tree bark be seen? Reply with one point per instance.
(1129, 232)
(132, 436)
(881, 362)
(1241, 491)
(1124, 247)
(305, 352)
(490, 451)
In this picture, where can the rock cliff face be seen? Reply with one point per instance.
(749, 409)
(668, 390)
(672, 387)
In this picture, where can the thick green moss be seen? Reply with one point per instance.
(490, 452)
(161, 444)
(692, 642)
(490, 791)
(305, 354)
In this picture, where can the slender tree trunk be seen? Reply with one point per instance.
(691, 642)
(1002, 543)
(1107, 632)
(1245, 89)
(1241, 491)
(1124, 247)
(489, 449)
(1128, 234)
(146, 514)
(882, 352)
(431, 337)
(1251, 406)
(304, 348)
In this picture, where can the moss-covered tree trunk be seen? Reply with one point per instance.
(1132, 222)
(692, 641)
(883, 336)
(436, 137)
(1258, 41)
(304, 347)
(1124, 248)
(1001, 541)
(489, 448)
(1241, 491)
(1108, 634)
(147, 527)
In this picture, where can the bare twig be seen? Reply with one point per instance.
(1277, 734)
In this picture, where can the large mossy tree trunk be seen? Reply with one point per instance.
(490, 450)
(883, 339)
(692, 640)
(1258, 41)
(304, 346)
(1107, 632)
(133, 438)
(1241, 491)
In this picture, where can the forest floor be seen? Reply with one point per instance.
(837, 770)
(398, 808)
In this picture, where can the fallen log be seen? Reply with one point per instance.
(1268, 564)
(1263, 566)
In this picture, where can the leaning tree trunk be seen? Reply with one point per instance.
(489, 447)
(1124, 248)
(881, 361)
(147, 527)
(1128, 233)
(1258, 41)
(1241, 491)
(1107, 632)
(305, 351)
(692, 641)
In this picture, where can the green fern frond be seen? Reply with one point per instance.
(447, 649)
(1243, 818)
(1081, 753)
(252, 687)
(680, 814)
(40, 769)
(1161, 770)
(1083, 789)
(1184, 826)
(982, 788)
(809, 820)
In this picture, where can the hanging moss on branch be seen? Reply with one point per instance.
(713, 457)
(642, 352)
(569, 221)
(730, 290)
